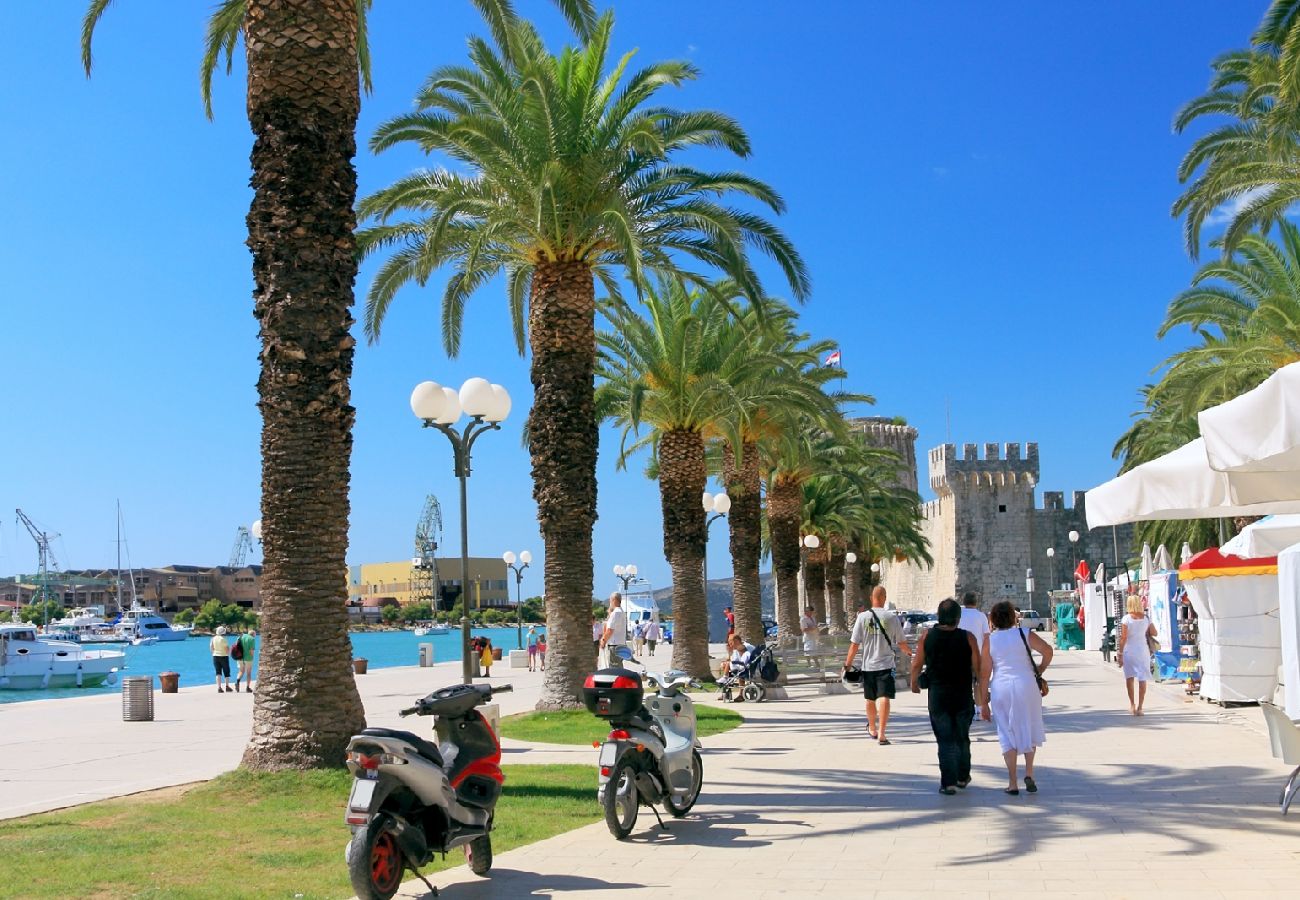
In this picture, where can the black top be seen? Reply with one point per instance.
(948, 659)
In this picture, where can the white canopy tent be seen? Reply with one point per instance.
(1181, 485)
(1259, 431)
(1267, 537)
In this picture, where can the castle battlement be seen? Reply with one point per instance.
(1001, 465)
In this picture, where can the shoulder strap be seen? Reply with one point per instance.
(1024, 640)
(881, 626)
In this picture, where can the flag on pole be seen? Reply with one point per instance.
(833, 359)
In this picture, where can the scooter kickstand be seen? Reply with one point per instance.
(656, 812)
(420, 875)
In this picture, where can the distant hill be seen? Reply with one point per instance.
(720, 599)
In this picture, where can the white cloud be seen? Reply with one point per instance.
(1229, 210)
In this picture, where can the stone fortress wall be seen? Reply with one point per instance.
(985, 530)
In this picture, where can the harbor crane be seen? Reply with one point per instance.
(424, 565)
(44, 554)
(243, 546)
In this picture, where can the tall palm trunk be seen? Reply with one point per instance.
(746, 524)
(814, 583)
(852, 591)
(784, 504)
(683, 473)
(562, 437)
(303, 99)
(835, 588)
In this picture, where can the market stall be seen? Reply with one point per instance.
(1236, 604)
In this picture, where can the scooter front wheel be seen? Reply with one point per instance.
(681, 807)
(375, 861)
(621, 799)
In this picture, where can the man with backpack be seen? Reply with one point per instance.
(242, 650)
(876, 632)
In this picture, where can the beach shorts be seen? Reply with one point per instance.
(878, 685)
(222, 665)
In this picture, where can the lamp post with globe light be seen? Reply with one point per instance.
(1051, 562)
(625, 574)
(1074, 550)
(719, 505)
(809, 542)
(524, 558)
(850, 587)
(440, 407)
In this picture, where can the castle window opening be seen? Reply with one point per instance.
(1002, 507)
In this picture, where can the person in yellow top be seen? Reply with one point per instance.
(221, 658)
(486, 658)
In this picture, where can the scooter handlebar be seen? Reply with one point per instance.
(502, 688)
(409, 712)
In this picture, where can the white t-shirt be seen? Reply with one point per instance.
(739, 658)
(616, 622)
(597, 631)
(877, 655)
(652, 631)
(975, 622)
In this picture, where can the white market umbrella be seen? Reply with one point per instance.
(1148, 568)
(1162, 561)
(1181, 485)
(1258, 431)
(1267, 537)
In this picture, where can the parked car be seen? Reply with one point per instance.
(769, 628)
(1031, 620)
(667, 629)
(915, 622)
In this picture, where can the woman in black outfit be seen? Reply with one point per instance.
(950, 658)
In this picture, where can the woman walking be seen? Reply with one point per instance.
(532, 648)
(950, 658)
(1134, 652)
(1011, 691)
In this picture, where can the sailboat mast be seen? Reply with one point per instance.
(117, 581)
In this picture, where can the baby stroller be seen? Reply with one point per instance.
(753, 678)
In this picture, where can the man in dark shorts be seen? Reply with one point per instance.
(877, 633)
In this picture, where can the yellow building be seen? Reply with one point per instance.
(488, 586)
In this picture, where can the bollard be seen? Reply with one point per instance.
(169, 682)
(137, 698)
(426, 655)
(359, 665)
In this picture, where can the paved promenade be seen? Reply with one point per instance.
(797, 802)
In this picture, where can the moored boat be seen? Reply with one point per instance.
(31, 662)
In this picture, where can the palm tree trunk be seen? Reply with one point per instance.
(835, 588)
(303, 99)
(852, 591)
(784, 505)
(563, 439)
(682, 476)
(814, 583)
(742, 483)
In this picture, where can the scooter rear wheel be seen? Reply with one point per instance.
(375, 861)
(478, 853)
(622, 800)
(681, 807)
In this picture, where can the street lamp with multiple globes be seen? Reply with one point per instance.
(625, 574)
(524, 558)
(440, 407)
(719, 505)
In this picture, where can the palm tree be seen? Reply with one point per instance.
(303, 99)
(688, 372)
(569, 182)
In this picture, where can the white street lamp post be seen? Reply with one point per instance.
(524, 559)
(1051, 561)
(625, 574)
(719, 505)
(440, 407)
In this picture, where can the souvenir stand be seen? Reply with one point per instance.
(1163, 608)
(1236, 603)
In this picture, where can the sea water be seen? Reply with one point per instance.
(193, 660)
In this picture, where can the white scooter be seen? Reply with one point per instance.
(652, 754)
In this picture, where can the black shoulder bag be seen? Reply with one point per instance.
(1042, 682)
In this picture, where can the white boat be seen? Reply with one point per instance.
(639, 604)
(143, 641)
(85, 625)
(140, 621)
(29, 662)
(425, 630)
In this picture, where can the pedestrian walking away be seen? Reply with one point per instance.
(973, 620)
(877, 634)
(614, 635)
(1011, 691)
(652, 635)
(243, 650)
(638, 639)
(949, 657)
(541, 649)
(532, 648)
(220, 646)
(1135, 631)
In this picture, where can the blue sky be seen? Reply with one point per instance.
(981, 191)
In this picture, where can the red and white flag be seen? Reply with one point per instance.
(833, 359)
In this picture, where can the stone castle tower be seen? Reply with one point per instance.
(880, 431)
(985, 531)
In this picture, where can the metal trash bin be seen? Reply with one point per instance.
(169, 682)
(359, 665)
(426, 655)
(137, 698)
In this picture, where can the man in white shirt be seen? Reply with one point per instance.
(597, 632)
(878, 633)
(615, 634)
(973, 620)
(808, 625)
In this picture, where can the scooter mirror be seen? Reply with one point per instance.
(624, 653)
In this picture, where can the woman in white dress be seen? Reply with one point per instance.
(1009, 692)
(1134, 653)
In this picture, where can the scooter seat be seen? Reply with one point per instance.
(425, 748)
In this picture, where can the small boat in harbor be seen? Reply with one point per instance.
(84, 625)
(140, 622)
(31, 662)
(433, 629)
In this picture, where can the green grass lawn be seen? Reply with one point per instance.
(577, 726)
(246, 835)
